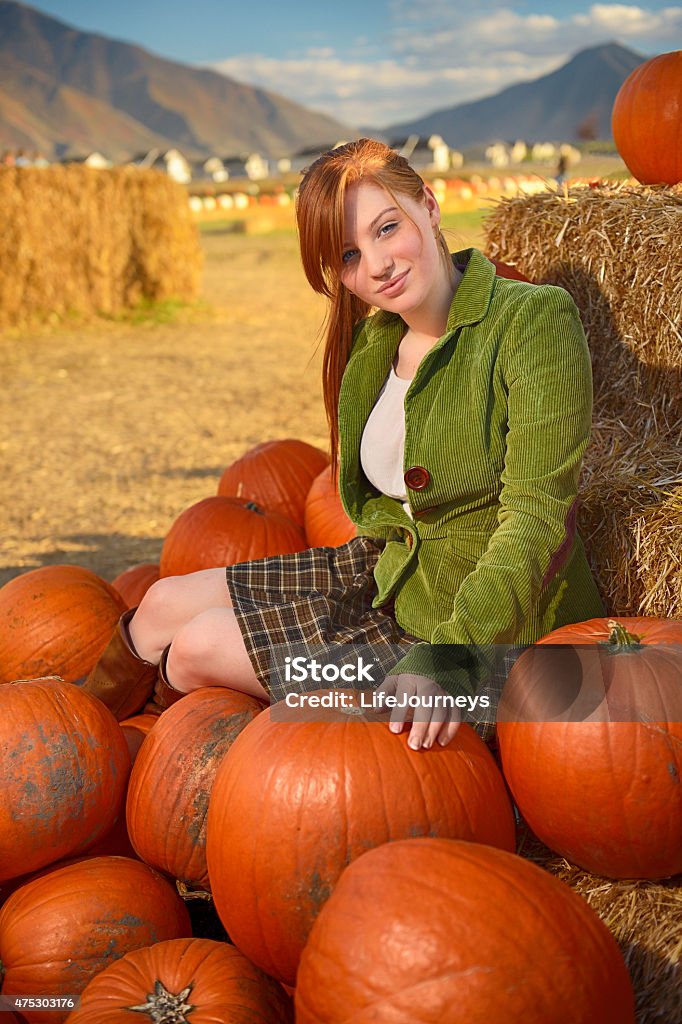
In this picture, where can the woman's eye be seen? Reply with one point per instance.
(348, 255)
(386, 228)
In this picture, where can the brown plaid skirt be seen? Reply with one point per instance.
(319, 601)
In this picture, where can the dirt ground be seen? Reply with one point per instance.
(109, 430)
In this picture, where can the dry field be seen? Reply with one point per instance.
(110, 429)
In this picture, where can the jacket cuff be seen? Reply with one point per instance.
(454, 667)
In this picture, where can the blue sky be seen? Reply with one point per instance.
(373, 62)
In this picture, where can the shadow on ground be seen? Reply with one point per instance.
(105, 554)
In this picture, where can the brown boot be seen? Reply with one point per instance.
(121, 679)
(164, 693)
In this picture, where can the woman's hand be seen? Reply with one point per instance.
(431, 719)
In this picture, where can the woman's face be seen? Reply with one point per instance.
(389, 259)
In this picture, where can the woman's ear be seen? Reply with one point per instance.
(432, 206)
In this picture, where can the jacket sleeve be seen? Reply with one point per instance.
(548, 379)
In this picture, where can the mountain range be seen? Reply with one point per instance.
(577, 97)
(66, 93)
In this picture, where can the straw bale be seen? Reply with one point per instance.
(75, 240)
(630, 518)
(646, 920)
(617, 248)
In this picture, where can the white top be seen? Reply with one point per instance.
(382, 447)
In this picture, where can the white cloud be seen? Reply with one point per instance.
(357, 93)
(438, 55)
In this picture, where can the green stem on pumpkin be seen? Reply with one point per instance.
(620, 639)
(164, 1007)
(253, 507)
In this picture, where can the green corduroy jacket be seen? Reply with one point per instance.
(499, 416)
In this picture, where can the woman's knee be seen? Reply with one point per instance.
(186, 596)
(174, 601)
(159, 600)
(195, 643)
(209, 650)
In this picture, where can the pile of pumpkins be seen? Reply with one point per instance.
(357, 879)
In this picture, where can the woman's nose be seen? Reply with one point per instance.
(380, 264)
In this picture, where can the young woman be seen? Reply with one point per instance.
(459, 406)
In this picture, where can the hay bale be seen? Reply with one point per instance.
(646, 920)
(630, 518)
(78, 240)
(617, 248)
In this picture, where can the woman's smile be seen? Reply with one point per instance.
(394, 286)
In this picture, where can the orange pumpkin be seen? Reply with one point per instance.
(171, 781)
(647, 120)
(597, 776)
(55, 621)
(134, 583)
(166, 979)
(276, 475)
(64, 927)
(325, 520)
(222, 531)
(64, 766)
(425, 930)
(293, 802)
(135, 729)
(116, 843)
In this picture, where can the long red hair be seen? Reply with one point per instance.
(319, 220)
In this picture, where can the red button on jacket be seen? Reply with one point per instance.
(417, 478)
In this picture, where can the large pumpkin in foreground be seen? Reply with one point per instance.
(64, 767)
(183, 981)
(55, 621)
(275, 475)
(59, 930)
(221, 531)
(430, 930)
(598, 775)
(647, 120)
(294, 802)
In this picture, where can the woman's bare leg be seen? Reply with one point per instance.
(193, 615)
(209, 651)
(170, 604)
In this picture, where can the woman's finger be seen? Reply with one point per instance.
(418, 734)
(448, 732)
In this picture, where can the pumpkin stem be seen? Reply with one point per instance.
(253, 507)
(191, 894)
(620, 639)
(164, 1007)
